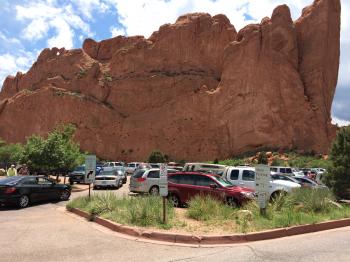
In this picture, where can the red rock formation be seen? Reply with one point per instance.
(195, 89)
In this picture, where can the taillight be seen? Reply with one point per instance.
(10, 190)
(141, 179)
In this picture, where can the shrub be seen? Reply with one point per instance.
(262, 158)
(156, 156)
(338, 177)
(204, 208)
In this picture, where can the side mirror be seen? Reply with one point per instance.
(213, 186)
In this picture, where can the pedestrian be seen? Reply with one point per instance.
(12, 171)
(23, 171)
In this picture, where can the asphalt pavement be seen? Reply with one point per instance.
(47, 232)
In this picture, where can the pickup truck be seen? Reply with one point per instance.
(245, 177)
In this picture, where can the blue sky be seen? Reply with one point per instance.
(28, 26)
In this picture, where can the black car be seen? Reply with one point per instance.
(24, 190)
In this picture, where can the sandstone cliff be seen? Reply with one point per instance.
(196, 89)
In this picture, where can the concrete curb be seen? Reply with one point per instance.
(79, 190)
(212, 240)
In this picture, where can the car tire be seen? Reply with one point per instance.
(175, 200)
(71, 182)
(230, 201)
(23, 201)
(277, 194)
(94, 187)
(64, 195)
(154, 191)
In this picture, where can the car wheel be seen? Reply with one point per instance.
(175, 200)
(276, 195)
(23, 201)
(154, 191)
(64, 195)
(232, 202)
(71, 182)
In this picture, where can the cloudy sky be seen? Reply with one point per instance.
(28, 26)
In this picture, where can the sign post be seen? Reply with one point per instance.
(90, 170)
(163, 187)
(262, 185)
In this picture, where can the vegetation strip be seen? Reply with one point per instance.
(224, 239)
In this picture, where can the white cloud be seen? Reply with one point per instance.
(45, 15)
(340, 122)
(11, 63)
(86, 7)
(115, 31)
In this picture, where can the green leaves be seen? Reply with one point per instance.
(156, 156)
(58, 152)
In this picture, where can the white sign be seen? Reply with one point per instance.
(163, 180)
(90, 169)
(262, 183)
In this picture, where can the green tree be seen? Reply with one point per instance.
(10, 153)
(58, 153)
(262, 158)
(156, 156)
(338, 176)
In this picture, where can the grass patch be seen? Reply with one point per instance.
(138, 211)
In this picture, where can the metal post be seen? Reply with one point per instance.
(89, 190)
(164, 209)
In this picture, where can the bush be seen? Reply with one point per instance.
(338, 177)
(139, 211)
(262, 158)
(204, 208)
(156, 156)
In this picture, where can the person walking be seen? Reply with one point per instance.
(12, 171)
(23, 170)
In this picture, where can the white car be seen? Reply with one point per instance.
(109, 178)
(131, 167)
(245, 177)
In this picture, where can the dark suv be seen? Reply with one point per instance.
(183, 186)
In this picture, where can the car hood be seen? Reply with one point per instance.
(285, 183)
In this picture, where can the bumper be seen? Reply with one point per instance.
(106, 183)
(9, 200)
(138, 189)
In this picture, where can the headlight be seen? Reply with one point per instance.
(248, 194)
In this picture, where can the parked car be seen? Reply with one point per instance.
(154, 165)
(25, 190)
(174, 165)
(307, 182)
(113, 164)
(120, 170)
(146, 181)
(78, 174)
(282, 170)
(131, 167)
(109, 177)
(205, 168)
(183, 186)
(245, 176)
(284, 177)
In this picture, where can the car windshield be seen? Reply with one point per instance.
(107, 173)
(223, 182)
(10, 180)
(79, 169)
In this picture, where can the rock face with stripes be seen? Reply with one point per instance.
(196, 89)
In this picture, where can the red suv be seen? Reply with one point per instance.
(183, 186)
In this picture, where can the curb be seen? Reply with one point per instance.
(79, 190)
(212, 240)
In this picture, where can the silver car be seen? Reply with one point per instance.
(146, 181)
(108, 178)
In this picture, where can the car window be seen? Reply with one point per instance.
(186, 180)
(153, 174)
(79, 169)
(202, 181)
(288, 170)
(139, 173)
(234, 174)
(30, 181)
(273, 169)
(43, 181)
(174, 179)
(248, 175)
(282, 170)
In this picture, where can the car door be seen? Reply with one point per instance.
(31, 188)
(48, 190)
(187, 187)
(203, 187)
(233, 176)
(152, 179)
(248, 179)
